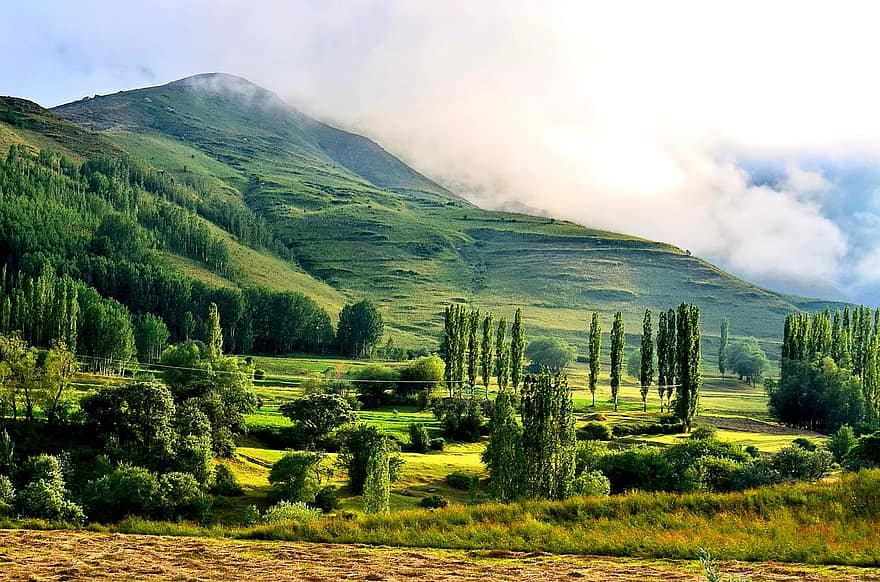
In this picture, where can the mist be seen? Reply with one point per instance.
(745, 133)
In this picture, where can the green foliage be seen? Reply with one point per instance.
(459, 480)
(225, 482)
(181, 496)
(422, 374)
(128, 490)
(646, 367)
(291, 511)
(433, 502)
(618, 341)
(841, 443)
(723, 363)
(213, 334)
(865, 453)
(595, 348)
(594, 431)
(358, 442)
(487, 351)
(555, 354)
(688, 356)
(419, 441)
(517, 349)
(746, 359)
(548, 440)
(462, 418)
(327, 499)
(375, 381)
(377, 483)
(591, 483)
(360, 328)
(46, 500)
(502, 356)
(7, 496)
(503, 455)
(297, 476)
(318, 414)
(797, 464)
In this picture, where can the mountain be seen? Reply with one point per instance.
(357, 221)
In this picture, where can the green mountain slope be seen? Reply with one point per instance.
(359, 220)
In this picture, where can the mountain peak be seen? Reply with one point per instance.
(226, 85)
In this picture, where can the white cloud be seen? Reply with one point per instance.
(625, 115)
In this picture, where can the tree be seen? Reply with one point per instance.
(503, 455)
(377, 484)
(517, 349)
(722, 346)
(19, 373)
(58, 371)
(150, 336)
(357, 445)
(360, 328)
(318, 414)
(689, 364)
(374, 383)
(618, 341)
(502, 356)
(297, 476)
(555, 354)
(747, 359)
(473, 347)
(549, 441)
(422, 374)
(646, 375)
(487, 352)
(595, 348)
(662, 346)
(213, 334)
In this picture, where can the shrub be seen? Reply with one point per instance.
(225, 482)
(7, 491)
(128, 490)
(180, 496)
(804, 443)
(45, 468)
(433, 502)
(43, 499)
(587, 455)
(591, 483)
(842, 442)
(459, 480)
(462, 419)
(259, 374)
(437, 444)
(621, 430)
(752, 451)
(716, 473)
(357, 444)
(418, 438)
(754, 474)
(291, 511)
(703, 432)
(594, 431)
(318, 414)
(796, 464)
(377, 380)
(865, 454)
(251, 516)
(326, 499)
(638, 468)
(421, 375)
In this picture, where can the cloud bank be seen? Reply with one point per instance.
(745, 132)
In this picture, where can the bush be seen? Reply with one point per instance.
(181, 496)
(594, 431)
(588, 454)
(804, 443)
(638, 468)
(752, 451)
(418, 438)
(251, 516)
(259, 374)
(703, 432)
(433, 502)
(754, 474)
(621, 430)
(44, 500)
(841, 443)
(326, 499)
(796, 464)
(462, 419)
(866, 452)
(291, 511)
(421, 375)
(318, 414)
(358, 443)
(225, 482)
(459, 480)
(7, 491)
(591, 483)
(717, 473)
(437, 444)
(128, 490)
(377, 380)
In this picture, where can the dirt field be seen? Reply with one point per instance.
(32, 555)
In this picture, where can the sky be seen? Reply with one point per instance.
(746, 132)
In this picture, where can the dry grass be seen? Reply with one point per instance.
(67, 555)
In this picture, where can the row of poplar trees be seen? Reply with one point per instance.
(679, 359)
(475, 350)
(830, 369)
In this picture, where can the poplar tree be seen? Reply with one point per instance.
(672, 372)
(214, 334)
(473, 347)
(517, 350)
(595, 347)
(646, 375)
(689, 356)
(503, 455)
(618, 342)
(835, 337)
(502, 356)
(487, 352)
(722, 348)
(461, 327)
(377, 484)
(661, 357)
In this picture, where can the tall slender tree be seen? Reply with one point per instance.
(618, 342)
(595, 348)
(517, 350)
(214, 334)
(502, 356)
(661, 357)
(646, 374)
(487, 352)
(689, 357)
(473, 348)
(503, 455)
(722, 347)
(672, 372)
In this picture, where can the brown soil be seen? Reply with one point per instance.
(63, 555)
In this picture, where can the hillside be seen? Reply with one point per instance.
(358, 221)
